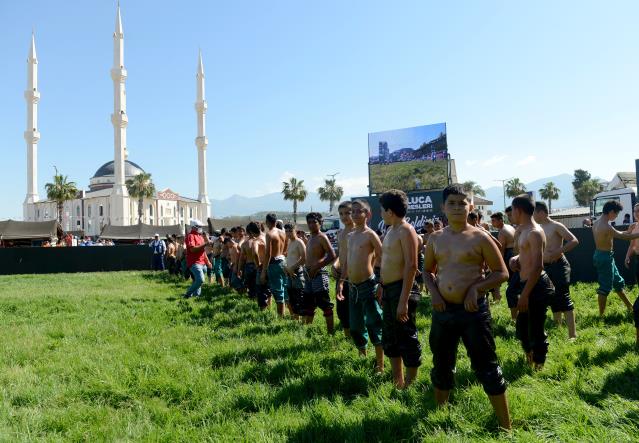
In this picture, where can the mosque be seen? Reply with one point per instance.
(107, 200)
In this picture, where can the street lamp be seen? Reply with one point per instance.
(503, 188)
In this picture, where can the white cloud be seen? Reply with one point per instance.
(470, 162)
(526, 161)
(495, 159)
(354, 186)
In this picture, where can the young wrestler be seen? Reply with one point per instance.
(233, 253)
(357, 269)
(295, 259)
(559, 240)
(261, 291)
(633, 249)
(506, 237)
(437, 225)
(275, 244)
(342, 286)
(429, 228)
(604, 258)
(400, 294)
(536, 288)
(454, 266)
(217, 259)
(246, 265)
(319, 254)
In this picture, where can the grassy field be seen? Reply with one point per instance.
(118, 356)
(402, 175)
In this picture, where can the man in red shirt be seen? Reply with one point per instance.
(196, 260)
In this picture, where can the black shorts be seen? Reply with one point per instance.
(250, 279)
(400, 339)
(513, 290)
(559, 274)
(262, 291)
(226, 267)
(635, 312)
(294, 289)
(475, 331)
(316, 295)
(530, 326)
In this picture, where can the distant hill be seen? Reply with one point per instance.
(237, 205)
(563, 182)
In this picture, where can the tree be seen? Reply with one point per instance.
(330, 192)
(549, 192)
(294, 190)
(60, 191)
(514, 187)
(140, 187)
(581, 176)
(587, 191)
(473, 188)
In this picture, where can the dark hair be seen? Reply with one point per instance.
(233, 230)
(612, 206)
(228, 240)
(223, 231)
(364, 204)
(473, 215)
(279, 224)
(525, 203)
(437, 222)
(345, 204)
(314, 216)
(395, 201)
(455, 189)
(289, 227)
(508, 209)
(253, 228)
(541, 207)
(498, 216)
(428, 223)
(271, 218)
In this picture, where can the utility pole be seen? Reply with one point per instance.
(503, 189)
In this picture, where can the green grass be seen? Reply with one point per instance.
(118, 356)
(402, 175)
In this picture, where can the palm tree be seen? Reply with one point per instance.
(549, 192)
(294, 190)
(330, 192)
(140, 187)
(60, 191)
(514, 187)
(473, 188)
(587, 191)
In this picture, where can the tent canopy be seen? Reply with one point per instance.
(18, 230)
(140, 231)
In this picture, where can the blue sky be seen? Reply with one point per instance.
(527, 89)
(404, 138)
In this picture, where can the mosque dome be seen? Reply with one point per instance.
(103, 177)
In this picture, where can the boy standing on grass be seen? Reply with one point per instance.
(256, 239)
(295, 258)
(559, 240)
(633, 249)
(536, 288)
(357, 268)
(604, 256)
(455, 259)
(342, 285)
(400, 294)
(319, 254)
(274, 264)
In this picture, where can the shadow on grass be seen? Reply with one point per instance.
(259, 355)
(391, 426)
(603, 357)
(613, 319)
(623, 384)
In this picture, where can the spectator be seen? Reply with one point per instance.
(159, 248)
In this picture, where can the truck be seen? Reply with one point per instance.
(626, 196)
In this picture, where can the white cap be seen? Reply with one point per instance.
(195, 223)
(156, 235)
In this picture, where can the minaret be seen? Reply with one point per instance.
(201, 141)
(31, 135)
(119, 197)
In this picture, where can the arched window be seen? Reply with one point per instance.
(101, 210)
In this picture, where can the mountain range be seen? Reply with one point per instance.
(237, 205)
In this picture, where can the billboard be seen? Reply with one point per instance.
(422, 206)
(411, 159)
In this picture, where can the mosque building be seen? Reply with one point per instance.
(107, 200)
